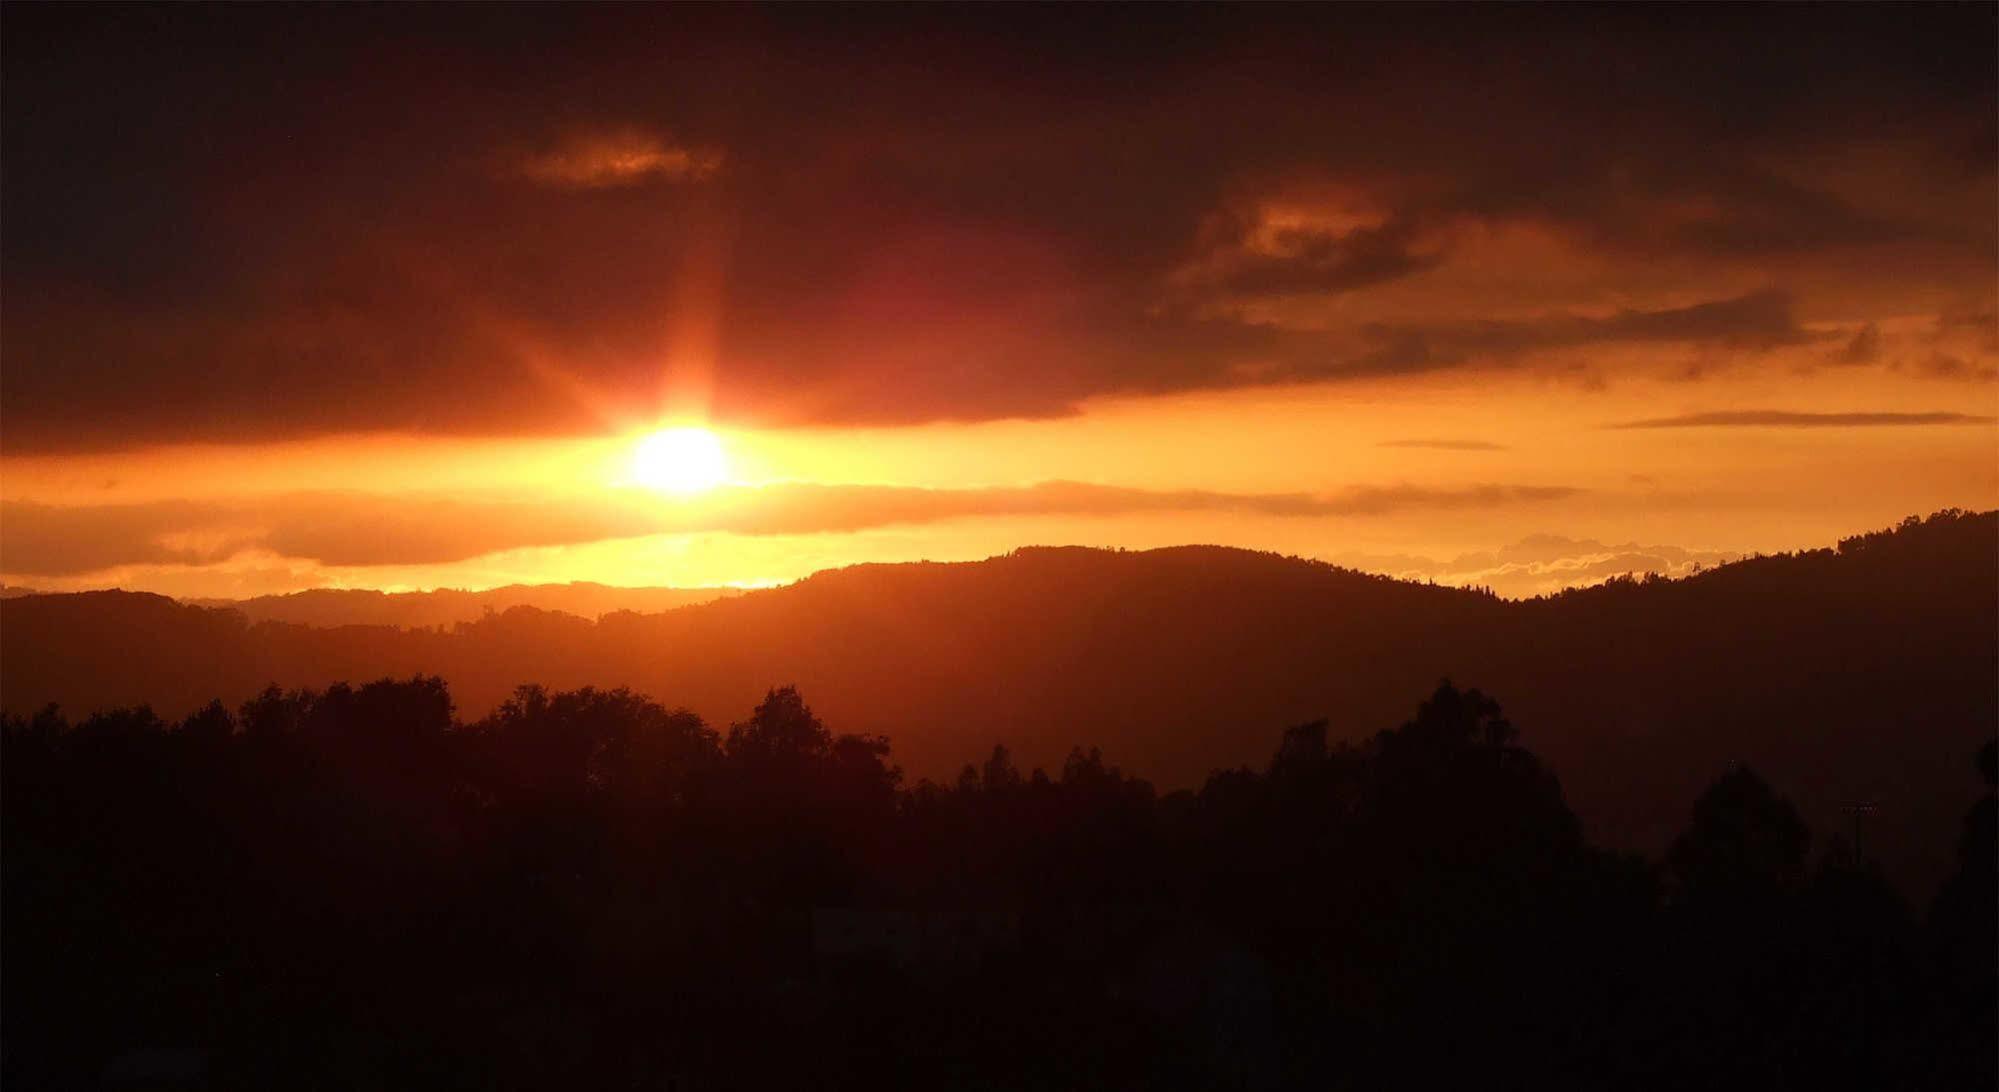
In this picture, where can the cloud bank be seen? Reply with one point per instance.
(1544, 564)
(348, 529)
(890, 217)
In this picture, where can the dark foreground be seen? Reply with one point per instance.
(349, 889)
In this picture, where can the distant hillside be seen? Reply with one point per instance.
(1870, 671)
(448, 606)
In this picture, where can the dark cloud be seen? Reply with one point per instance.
(1942, 365)
(55, 540)
(1153, 354)
(1977, 330)
(238, 223)
(1760, 320)
(1259, 260)
(366, 529)
(1986, 321)
(1865, 348)
(1785, 419)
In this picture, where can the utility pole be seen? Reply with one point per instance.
(1859, 809)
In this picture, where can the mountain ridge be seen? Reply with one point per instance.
(447, 606)
(1867, 670)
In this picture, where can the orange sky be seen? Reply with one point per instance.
(1463, 308)
(1407, 480)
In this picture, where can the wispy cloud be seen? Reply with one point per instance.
(1788, 419)
(617, 157)
(370, 529)
(1865, 348)
(1760, 320)
(1445, 445)
(1541, 564)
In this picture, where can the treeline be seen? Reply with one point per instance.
(1865, 673)
(590, 889)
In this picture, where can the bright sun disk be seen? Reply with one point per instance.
(680, 460)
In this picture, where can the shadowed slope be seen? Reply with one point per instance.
(449, 606)
(1862, 672)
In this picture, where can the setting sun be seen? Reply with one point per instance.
(1063, 546)
(680, 460)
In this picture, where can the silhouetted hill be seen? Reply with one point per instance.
(449, 606)
(1863, 672)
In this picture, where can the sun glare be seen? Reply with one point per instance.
(680, 460)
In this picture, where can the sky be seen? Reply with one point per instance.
(1511, 296)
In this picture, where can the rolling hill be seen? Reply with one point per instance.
(1867, 671)
(449, 606)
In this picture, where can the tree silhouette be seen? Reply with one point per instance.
(1964, 949)
(1744, 841)
(588, 886)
